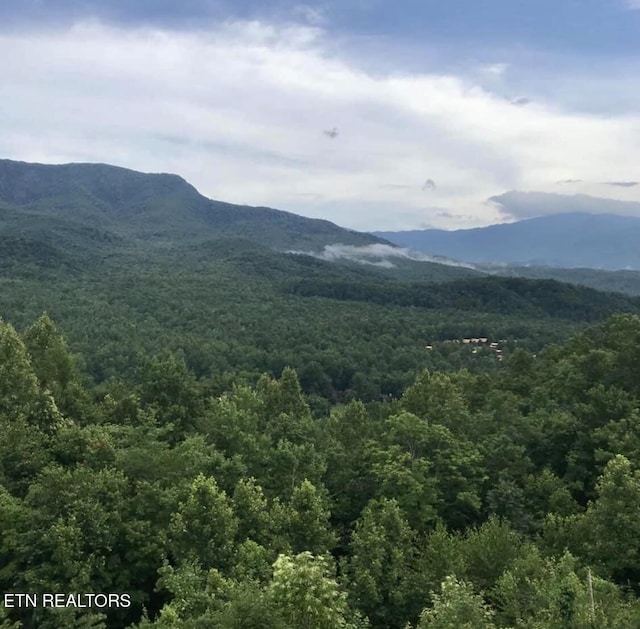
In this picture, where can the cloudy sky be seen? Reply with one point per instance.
(370, 113)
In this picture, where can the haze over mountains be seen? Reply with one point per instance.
(570, 240)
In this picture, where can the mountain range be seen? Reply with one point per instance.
(568, 240)
(54, 211)
(75, 218)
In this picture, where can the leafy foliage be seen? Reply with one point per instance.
(230, 454)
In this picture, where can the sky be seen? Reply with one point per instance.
(373, 114)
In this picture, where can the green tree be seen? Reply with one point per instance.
(348, 477)
(489, 550)
(309, 521)
(172, 390)
(429, 471)
(197, 597)
(53, 365)
(611, 524)
(440, 554)
(457, 606)
(379, 570)
(19, 391)
(24, 452)
(409, 482)
(305, 591)
(437, 399)
(252, 510)
(71, 533)
(204, 527)
(283, 396)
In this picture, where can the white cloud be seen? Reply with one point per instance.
(495, 69)
(314, 15)
(240, 110)
(519, 205)
(378, 255)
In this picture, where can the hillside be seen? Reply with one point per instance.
(598, 241)
(627, 282)
(153, 209)
(132, 264)
(81, 217)
(506, 296)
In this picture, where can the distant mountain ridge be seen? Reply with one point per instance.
(570, 240)
(73, 217)
(149, 250)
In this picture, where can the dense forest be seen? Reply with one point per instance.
(504, 498)
(222, 434)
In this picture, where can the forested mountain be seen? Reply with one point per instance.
(234, 436)
(143, 208)
(598, 241)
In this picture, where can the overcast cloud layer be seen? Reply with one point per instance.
(288, 111)
(522, 205)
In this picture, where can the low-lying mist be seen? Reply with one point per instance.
(377, 255)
